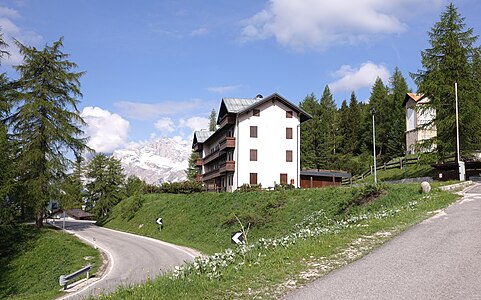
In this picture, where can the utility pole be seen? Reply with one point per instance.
(373, 111)
(461, 168)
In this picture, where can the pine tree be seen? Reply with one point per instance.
(379, 101)
(191, 171)
(452, 58)
(328, 119)
(396, 145)
(106, 186)
(310, 133)
(47, 122)
(213, 120)
(72, 187)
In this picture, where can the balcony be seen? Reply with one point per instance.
(211, 157)
(210, 175)
(228, 142)
(199, 162)
(228, 166)
(198, 177)
(227, 119)
(198, 147)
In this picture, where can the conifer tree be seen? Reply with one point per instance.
(310, 134)
(213, 120)
(397, 120)
(452, 58)
(46, 123)
(378, 100)
(328, 127)
(106, 187)
(191, 171)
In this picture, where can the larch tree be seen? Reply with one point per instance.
(8, 211)
(452, 58)
(46, 123)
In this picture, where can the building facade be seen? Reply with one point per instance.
(418, 119)
(256, 143)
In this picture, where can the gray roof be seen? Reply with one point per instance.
(202, 135)
(235, 105)
(315, 173)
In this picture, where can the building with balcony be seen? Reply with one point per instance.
(418, 123)
(256, 143)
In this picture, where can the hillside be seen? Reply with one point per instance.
(296, 236)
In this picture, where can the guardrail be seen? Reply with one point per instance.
(65, 279)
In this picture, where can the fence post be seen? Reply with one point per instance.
(401, 163)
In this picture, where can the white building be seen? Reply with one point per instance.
(257, 143)
(417, 120)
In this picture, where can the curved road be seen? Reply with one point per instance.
(439, 258)
(132, 258)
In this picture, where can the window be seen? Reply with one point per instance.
(288, 133)
(253, 178)
(253, 155)
(283, 178)
(288, 113)
(253, 131)
(256, 112)
(288, 155)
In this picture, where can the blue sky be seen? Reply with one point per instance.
(157, 68)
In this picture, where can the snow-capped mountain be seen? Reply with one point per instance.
(162, 160)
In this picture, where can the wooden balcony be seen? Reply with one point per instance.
(198, 147)
(198, 177)
(211, 157)
(228, 142)
(227, 119)
(199, 162)
(228, 166)
(210, 175)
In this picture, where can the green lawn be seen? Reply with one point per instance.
(296, 236)
(32, 260)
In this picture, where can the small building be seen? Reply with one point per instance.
(318, 179)
(256, 143)
(418, 119)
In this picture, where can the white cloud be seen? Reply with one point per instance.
(151, 111)
(165, 125)
(12, 31)
(194, 123)
(199, 32)
(351, 79)
(318, 24)
(224, 88)
(107, 131)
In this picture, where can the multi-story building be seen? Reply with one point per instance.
(418, 119)
(256, 143)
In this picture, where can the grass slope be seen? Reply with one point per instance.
(33, 259)
(346, 230)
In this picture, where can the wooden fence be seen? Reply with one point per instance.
(400, 164)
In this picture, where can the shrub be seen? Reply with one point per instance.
(249, 188)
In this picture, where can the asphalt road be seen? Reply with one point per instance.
(132, 258)
(437, 259)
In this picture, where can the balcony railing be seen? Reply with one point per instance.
(227, 119)
(228, 142)
(228, 166)
(210, 175)
(199, 162)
